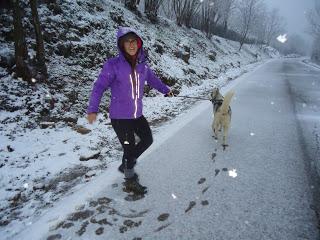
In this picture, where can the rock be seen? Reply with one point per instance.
(70, 120)
(44, 125)
(38, 186)
(81, 215)
(94, 156)
(158, 48)
(64, 50)
(4, 223)
(82, 130)
(118, 18)
(104, 200)
(7, 61)
(90, 174)
(67, 225)
(212, 56)
(185, 56)
(10, 149)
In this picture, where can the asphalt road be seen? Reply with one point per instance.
(263, 186)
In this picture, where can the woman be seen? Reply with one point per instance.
(126, 75)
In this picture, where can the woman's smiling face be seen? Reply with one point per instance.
(131, 46)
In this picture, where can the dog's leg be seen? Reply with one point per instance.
(213, 129)
(225, 134)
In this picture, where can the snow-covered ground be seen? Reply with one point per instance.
(45, 142)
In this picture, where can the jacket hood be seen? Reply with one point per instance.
(125, 30)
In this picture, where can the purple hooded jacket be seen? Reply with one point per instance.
(117, 74)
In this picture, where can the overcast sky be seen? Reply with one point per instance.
(294, 12)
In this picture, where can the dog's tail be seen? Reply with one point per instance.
(226, 102)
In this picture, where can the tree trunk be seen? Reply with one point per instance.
(225, 28)
(131, 5)
(243, 39)
(151, 8)
(41, 61)
(21, 54)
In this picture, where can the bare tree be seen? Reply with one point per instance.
(227, 6)
(205, 23)
(166, 9)
(41, 64)
(259, 29)
(248, 14)
(132, 5)
(209, 16)
(25, 67)
(151, 9)
(184, 10)
(273, 26)
(314, 22)
(315, 54)
(21, 54)
(216, 14)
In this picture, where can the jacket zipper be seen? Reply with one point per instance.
(135, 90)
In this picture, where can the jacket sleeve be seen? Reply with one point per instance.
(155, 82)
(101, 84)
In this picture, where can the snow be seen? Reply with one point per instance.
(282, 38)
(45, 165)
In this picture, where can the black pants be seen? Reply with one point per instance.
(125, 130)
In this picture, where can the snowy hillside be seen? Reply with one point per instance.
(47, 148)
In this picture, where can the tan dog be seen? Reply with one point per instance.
(221, 114)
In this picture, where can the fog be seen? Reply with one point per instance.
(294, 13)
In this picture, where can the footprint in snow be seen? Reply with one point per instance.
(163, 217)
(191, 205)
(202, 180)
(216, 172)
(133, 197)
(205, 189)
(162, 227)
(213, 156)
(54, 237)
(103, 221)
(99, 231)
(204, 203)
(83, 228)
(128, 224)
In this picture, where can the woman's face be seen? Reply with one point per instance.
(131, 46)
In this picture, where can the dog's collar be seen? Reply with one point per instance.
(216, 101)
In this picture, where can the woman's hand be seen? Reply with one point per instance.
(169, 94)
(92, 117)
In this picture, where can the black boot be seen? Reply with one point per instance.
(132, 185)
(122, 165)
